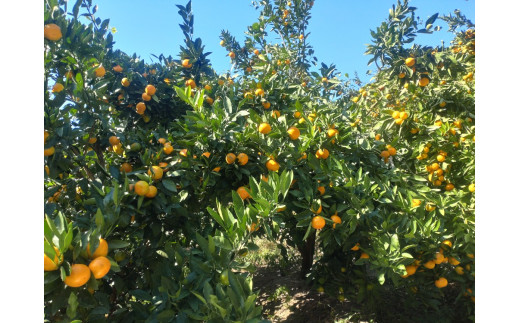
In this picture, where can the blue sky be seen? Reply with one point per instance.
(340, 29)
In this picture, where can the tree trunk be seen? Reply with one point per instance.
(307, 253)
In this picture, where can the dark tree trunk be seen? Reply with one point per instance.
(307, 253)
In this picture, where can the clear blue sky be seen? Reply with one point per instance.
(340, 29)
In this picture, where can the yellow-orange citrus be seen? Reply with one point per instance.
(99, 267)
(157, 172)
(152, 191)
(441, 282)
(294, 133)
(264, 128)
(52, 32)
(141, 188)
(318, 222)
(230, 158)
(140, 108)
(242, 159)
(79, 275)
(150, 89)
(101, 250)
(242, 192)
(272, 165)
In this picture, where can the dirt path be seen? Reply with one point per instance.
(289, 299)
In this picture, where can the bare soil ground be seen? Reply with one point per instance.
(295, 301)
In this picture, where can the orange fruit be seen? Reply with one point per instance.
(191, 83)
(206, 154)
(57, 88)
(385, 154)
(410, 61)
(242, 159)
(392, 151)
(416, 202)
(446, 243)
(102, 249)
(152, 191)
(272, 165)
(117, 69)
(266, 105)
(232, 55)
(378, 137)
(297, 114)
(429, 207)
(459, 270)
(168, 149)
(92, 140)
(332, 132)
(429, 264)
(264, 128)
(140, 107)
(259, 92)
(99, 267)
(453, 261)
(150, 89)
(364, 256)
(356, 247)
(141, 188)
(395, 114)
(51, 265)
(316, 211)
(100, 71)
(157, 172)
(49, 151)
(294, 133)
(322, 153)
(321, 189)
(336, 219)
(209, 100)
(113, 140)
(243, 193)
(410, 270)
(216, 169)
(442, 104)
(275, 114)
(439, 258)
(79, 275)
(265, 178)
(256, 52)
(186, 63)
(424, 81)
(253, 227)
(355, 99)
(52, 32)
(450, 187)
(403, 115)
(401, 75)
(441, 282)
(230, 158)
(318, 222)
(399, 121)
(440, 158)
(125, 82)
(146, 97)
(471, 188)
(126, 167)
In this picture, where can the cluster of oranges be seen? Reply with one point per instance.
(80, 274)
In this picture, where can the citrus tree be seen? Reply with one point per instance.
(157, 176)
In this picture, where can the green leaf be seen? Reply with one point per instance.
(381, 278)
(72, 305)
(100, 220)
(394, 243)
(169, 185)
